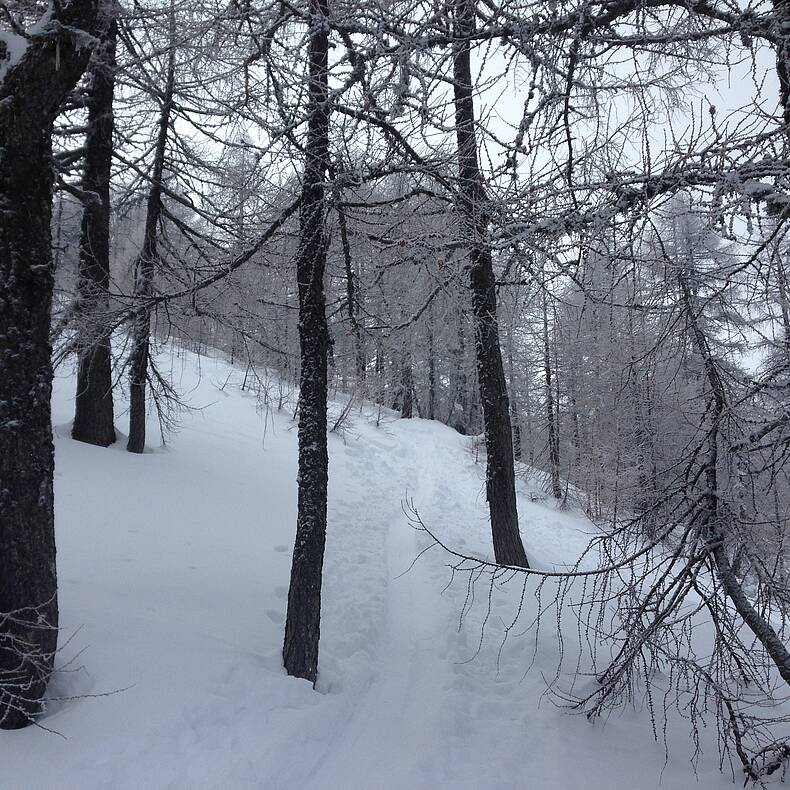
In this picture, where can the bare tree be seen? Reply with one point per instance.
(473, 209)
(149, 255)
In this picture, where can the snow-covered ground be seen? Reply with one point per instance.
(173, 574)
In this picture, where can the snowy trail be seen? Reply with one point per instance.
(383, 745)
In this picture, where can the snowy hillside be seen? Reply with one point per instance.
(174, 570)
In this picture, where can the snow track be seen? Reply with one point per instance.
(384, 743)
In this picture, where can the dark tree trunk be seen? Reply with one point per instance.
(146, 264)
(645, 498)
(93, 414)
(464, 422)
(551, 423)
(406, 388)
(515, 419)
(379, 358)
(782, 12)
(500, 476)
(30, 96)
(431, 411)
(457, 399)
(517, 453)
(351, 295)
(303, 621)
(784, 303)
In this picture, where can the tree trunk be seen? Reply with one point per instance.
(782, 12)
(527, 407)
(303, 621)
(784, 303)
(458, 402)
(93, 415)
(30, 95)
(351, 296)
(500, 476)
(431, 411)
(554, 448)
(146, 263)
(406, 388)
(515, 419)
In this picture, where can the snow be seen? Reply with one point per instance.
(12, 48)
(174, 568)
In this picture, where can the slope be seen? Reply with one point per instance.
(173, 574)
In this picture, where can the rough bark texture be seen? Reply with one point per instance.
(146, 264)
(406, 388)
(713, 517)
(551, 424)
(430, 412)
(458, 415)
(303, 621)
(500, 476)
(93, 414)
(514, 406)
(30, 95)
(351, 296)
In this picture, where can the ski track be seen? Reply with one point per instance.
(383, 745)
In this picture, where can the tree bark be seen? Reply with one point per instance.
(146, 263)
(551, 426)
(303, 621)
(457, 405)
(515, 416)
(782, 12)
(30, 95)
(472, 207)
(406, 388)
(93, 414)
(713, 519)
(431, 411)
(351, 296)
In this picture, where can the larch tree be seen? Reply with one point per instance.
(93, 413)
(303, 620)
(473, 210)
(145, 266)
(37, 72)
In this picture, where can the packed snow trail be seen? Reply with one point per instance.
(398, 708)
(174, 568)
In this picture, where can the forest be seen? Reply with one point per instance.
(516, 263)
